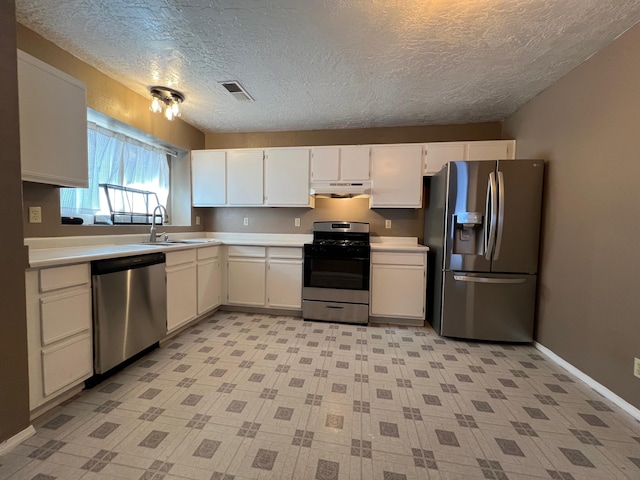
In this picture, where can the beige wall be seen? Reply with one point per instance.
(585, 126)
(14, 375)
(404, 222)
(113, 99)
(356, 136)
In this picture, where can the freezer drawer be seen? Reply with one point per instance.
(488, 306)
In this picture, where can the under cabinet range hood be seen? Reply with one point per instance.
(341, 189)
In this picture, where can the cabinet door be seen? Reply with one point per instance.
(354, 163)
(53, 125)
(325, 164)
(208, 285)
(66, 363)
(245, 177)
(246, 281)
(438, 154)
(287, 177)
(284, 283)
(498, 150)
(397, 291)
(208, 178)
(396, 176)
(182, 299)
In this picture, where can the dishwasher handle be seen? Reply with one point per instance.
(120, 264)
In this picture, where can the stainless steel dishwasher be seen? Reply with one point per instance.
(129, 307)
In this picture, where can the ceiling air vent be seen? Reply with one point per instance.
(235, 89)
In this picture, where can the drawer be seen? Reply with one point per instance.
(183, 256)
(66, 362)
(246, 251)
(63, 277)
(395, 258)
(208, 252)
(285, 252)
(64, 315)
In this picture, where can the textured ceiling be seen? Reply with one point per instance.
(319, 64)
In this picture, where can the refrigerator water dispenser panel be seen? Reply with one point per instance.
(468, 220)
(468, 239)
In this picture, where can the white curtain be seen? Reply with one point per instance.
(116, 159)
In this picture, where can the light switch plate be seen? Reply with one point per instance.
(245, 222)
(197, 219)
(296, 221)
(387, 224)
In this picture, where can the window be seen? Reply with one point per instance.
(115, 159)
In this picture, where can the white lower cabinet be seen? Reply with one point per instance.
(398, 284)
(182, 288)
(59, 330)
(284, 278)
(246, 275)
(209, 282)
(264, 276)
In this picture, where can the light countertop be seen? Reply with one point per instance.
(51, 252)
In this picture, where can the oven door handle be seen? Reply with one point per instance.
(334, 307)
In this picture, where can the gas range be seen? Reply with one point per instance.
(336, 273)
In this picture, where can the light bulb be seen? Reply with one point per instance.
(168, 113)
(176, 109)
(156, 105)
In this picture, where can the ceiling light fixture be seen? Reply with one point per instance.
(167, 99)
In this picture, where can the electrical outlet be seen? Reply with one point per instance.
(387, 224)
(245, 222)
(636, 367)
(197, 219)
(35, 215)
(296, 222)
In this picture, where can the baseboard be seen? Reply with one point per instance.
(261, 310)
(409, 322)
(598, 387)
(18, 438)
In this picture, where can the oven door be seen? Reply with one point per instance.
(336, 271)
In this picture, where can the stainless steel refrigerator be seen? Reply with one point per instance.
(483, 228)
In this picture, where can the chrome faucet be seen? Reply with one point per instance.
(153, 235)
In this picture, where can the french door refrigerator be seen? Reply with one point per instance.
(483, 228)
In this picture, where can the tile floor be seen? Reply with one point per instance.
(246, 396)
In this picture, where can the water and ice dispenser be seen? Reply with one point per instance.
(468, 238)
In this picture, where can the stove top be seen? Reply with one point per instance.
(341, 242)
(341, 234)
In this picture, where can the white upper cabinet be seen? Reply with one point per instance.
(287, 177)
(439, 153)
(325, 164)
(396, 175)
(209, 178)
(53, 125)
(330, 164)
(245, 177)
(436, 155)
(498, 150)
(354, 163)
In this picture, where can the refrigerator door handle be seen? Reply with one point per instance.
(500, 214)
(466, 278)
(491, 215)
